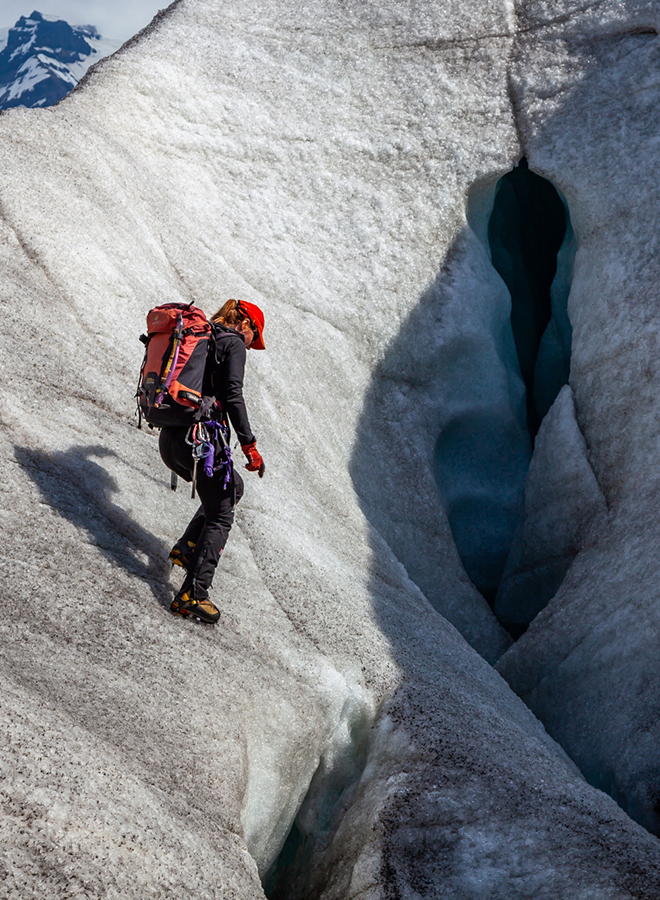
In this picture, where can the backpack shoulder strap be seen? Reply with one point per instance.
(211, 359)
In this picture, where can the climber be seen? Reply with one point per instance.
(237, 327)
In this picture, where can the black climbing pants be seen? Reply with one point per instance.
(210, 526)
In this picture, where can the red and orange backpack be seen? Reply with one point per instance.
(172, 375)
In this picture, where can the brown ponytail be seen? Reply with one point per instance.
(229, 314)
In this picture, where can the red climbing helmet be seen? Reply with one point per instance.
(256, 317)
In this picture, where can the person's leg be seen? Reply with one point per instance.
(177, 456)
(193, 530)
(175, 452)
(183, 551)
(218, 506)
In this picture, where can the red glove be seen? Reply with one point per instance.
(254, 461)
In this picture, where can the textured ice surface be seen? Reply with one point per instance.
(482, 447)
(562, 504)
(588, 666)
(316, 159)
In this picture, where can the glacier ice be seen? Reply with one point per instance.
(511, 373)
(562, 505)
(446, 391)
(317, 158)
(587, 665)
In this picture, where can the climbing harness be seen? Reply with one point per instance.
(208, 441)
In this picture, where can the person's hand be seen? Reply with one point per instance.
(254, 461)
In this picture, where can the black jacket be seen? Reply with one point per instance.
(224, 371)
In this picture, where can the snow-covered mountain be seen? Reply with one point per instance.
(43, 58)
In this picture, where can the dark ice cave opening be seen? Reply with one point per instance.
(482, 457)
(526, 229)
(299, 872)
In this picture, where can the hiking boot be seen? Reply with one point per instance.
(201, 608)
(181, 554)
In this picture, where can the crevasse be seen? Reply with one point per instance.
(481, 457)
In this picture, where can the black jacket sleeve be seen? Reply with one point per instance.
(230, 355)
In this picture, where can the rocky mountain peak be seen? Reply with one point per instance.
(44, 58)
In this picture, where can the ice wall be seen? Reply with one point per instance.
(511, 357)
(314, 158)
(587, 666)
(563, 506)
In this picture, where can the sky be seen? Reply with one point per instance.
(115, 19)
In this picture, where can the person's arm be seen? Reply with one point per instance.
(232, 400)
